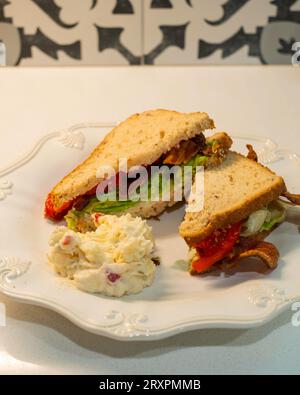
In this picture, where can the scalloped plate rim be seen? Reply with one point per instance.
(197, 323)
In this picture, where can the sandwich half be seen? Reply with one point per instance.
(159, 137)
(241, 208)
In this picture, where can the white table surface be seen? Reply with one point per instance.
(257, 100)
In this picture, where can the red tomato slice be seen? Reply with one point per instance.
(58, 213)
(54, 213)
(216, 247)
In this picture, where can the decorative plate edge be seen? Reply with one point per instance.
(71, 138)
(11, 268)
(130, 326)
(264, 294)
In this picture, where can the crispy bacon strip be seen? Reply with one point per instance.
(252, 154)
(224, 142)
(267, 252)
(292, 197)
(186, 150)
(183, 154)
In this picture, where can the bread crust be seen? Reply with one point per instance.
(142, 139)
(198, 226)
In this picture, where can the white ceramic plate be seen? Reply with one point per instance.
(176, 302)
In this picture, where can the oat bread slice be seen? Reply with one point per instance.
(232, 191)
(142, 139)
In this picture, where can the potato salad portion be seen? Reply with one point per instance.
(114, 260)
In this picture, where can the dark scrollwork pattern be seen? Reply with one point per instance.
(46, 45)
(123, 7)
(110, 37)
(269, 43)
(172, 36)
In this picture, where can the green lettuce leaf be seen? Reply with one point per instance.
(277, 218)
(107, 207)
(197, 160)
(79, 221)
(72, 219)
(264, 219)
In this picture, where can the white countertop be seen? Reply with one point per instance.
(256, 100)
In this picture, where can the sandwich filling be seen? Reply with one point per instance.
(226, 246)
(195, 152)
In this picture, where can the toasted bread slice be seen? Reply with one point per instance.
(232, 191)
(142, 139)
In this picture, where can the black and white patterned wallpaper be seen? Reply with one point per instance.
(86, 32)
